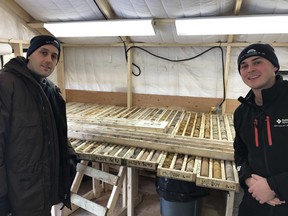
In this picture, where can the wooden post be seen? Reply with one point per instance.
(18, 49)
(129, 78)
(61, 74)
(226, 74)
(230, 203)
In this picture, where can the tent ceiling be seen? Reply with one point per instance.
(39, 11)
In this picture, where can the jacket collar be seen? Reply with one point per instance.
(18, 66)
(268, 95)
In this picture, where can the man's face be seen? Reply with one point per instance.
(257, 72)
(43, 60)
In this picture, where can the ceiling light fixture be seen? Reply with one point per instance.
(143, 27)
(274, 24)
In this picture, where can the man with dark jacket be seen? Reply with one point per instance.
(261, 124)
(34, 149)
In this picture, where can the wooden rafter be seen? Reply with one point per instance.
(23, 15)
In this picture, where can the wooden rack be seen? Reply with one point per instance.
(174, 143)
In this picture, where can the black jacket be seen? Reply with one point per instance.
(34, 149)
(261, 146)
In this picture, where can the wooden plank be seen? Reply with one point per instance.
(65, 211)
(229, 203)
(210, 182)
(197, 104)
(88, 205)
(97, 174)
(129, 112)
(78, 179)
(142, 135)
(178, 124)
(200, 150)
(171, 172)
(138, 113)
(143, 125)
(223, 150)
(148, 164)
(116, 190)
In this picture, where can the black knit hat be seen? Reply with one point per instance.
(264, 50)
(41, 40)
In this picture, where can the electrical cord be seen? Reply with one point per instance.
(187, 59)
(100, 9)
(106, 18)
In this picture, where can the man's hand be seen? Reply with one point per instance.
(261, 191)
(275, 201)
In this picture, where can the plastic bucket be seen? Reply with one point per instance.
(168, 208)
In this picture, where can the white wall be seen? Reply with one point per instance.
(12, 27)
(105, 69)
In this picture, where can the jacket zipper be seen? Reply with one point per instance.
(256, 132)
(268, 131)
(269, 136)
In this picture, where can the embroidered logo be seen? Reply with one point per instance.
(281, 122)
(251, 51)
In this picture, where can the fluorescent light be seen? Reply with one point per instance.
(5, 49)
(233, 25)
(102, 28)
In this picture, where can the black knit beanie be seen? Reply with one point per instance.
(41, 40)
(264, 50)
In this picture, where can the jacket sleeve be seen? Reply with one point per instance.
(5, 107)
(59, 102)
(241, 156)
(71, 151)
(278, 183)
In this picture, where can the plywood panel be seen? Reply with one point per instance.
(196, 104)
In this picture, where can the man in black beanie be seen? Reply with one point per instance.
(261, 125)
(41, 40)
(35, 154)
(263, 50)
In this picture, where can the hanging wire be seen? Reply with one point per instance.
(170, 60)
(188, 59)
(106, 18)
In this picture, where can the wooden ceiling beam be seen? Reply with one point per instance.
(23, 15)
(108, 12)
(237, 7)
(106, 9)
(18, 10)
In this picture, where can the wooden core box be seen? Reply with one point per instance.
(177, 144)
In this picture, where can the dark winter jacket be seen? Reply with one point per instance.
(261, 146)
(34, 149)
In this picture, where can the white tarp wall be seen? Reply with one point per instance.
(105, 69)
(12, 27)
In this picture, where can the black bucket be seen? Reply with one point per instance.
(191, 208)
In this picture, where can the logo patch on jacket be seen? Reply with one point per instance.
(281, 123)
